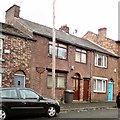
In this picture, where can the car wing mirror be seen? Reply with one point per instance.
(40, 98)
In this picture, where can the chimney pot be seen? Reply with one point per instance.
(65, 28)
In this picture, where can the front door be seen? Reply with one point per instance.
(19, 80)
(110, 91)
(86, 90)
(76, 89)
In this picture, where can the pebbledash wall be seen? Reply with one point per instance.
(40, 63)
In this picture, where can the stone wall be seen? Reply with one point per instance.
(17, 58)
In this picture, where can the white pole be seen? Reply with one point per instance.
(53, 54)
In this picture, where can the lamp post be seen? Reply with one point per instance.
(53, 53)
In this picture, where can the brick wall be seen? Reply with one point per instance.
(103, 41)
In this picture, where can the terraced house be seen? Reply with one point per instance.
(102, 39)
(15, 48)
(83, 66)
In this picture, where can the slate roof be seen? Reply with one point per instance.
(8, 29)
(63, 36)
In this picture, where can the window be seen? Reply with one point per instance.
(28, 94)
(100, 60)
(80, 55)
(60, 80)
(60, 49)
(8, 94)
(100, 84)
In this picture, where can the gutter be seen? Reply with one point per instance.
(28, 38)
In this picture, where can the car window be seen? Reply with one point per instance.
(28, 94)
(8, 94)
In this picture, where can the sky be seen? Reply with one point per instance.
(80, 15)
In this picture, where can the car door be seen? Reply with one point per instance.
(32, 102)
(11, 101)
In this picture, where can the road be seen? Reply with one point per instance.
(104, 113)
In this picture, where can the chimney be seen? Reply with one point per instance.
(102, 32)
(12, 12)
(64, 28)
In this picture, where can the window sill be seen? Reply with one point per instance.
(100, 92)
(101, 66)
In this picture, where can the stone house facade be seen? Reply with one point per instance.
(88, 69)
(16, 55)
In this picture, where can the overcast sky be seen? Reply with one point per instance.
(83, 15)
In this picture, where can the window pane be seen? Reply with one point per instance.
(77, 56)
(83, 58)
(62, 53)
(96, 61)
(99, 85)
(10, 94)
(50, 50)
(104, 84)
(28, 94)
(49, 81)
(100, 60)
(60, 82)
(105, 61)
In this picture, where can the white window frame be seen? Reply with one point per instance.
(58, 46)
(82, 53)
(95, 85)
(104, 59)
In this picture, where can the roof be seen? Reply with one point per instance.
(63, 36)
(8, 29)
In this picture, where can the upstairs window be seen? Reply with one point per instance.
(81, 55)
(60, 50)
(100, 60)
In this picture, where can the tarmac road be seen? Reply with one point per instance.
(107, 114)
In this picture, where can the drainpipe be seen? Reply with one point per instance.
(90, 86)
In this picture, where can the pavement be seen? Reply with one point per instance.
(78, 106)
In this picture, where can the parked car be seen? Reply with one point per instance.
(25, 101)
